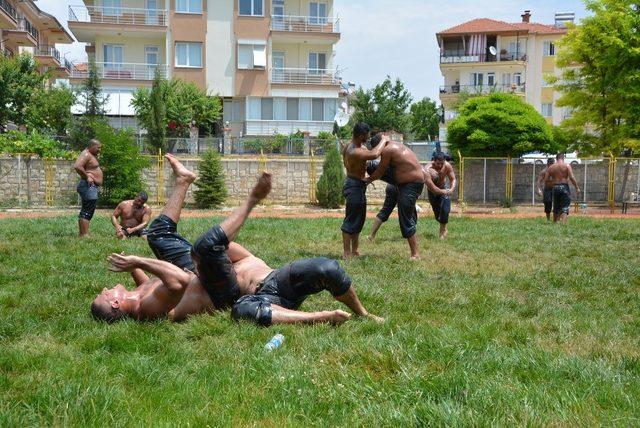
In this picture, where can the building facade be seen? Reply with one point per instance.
(485, 55)
(25, 29)
(270, 60)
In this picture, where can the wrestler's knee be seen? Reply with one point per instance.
(336, 280)
(211, 242)
(254, 309)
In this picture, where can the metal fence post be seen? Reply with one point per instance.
(612, 183)
(461, 185)
(484, 183)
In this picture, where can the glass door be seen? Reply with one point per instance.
(152, 12)
(317, 13)
(277, 16)
(277, 63)
(152, 56)
(113, 60)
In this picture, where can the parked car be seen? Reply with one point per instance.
(541, 158)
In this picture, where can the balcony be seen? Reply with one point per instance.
(304, 76)
(465, 57)
(123, 71)
(481, 89)
(305, 29)
(88, 21)
(24, 35)
(8, 15)
(271, 127)
(48, 56)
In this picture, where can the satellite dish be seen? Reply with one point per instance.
(341, 118)
(344, 106)
(352, 90)
(493, 50)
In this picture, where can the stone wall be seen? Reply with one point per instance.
(22, 182)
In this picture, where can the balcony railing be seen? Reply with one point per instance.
(465, 57)
(304, 76)
(481, 89)
(118, 15)
(305, 24)
(6, 53)
(48, 51)
(124, 71)
(10, 10)
(25, 25)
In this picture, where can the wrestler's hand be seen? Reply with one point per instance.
(539, 192)
(90, 179)
(129, 230)
(122, 263)
(262, 187)
(120, 234)
(375, 318)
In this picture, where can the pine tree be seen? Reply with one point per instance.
(91, 93)
(329, 189)
(211, 190)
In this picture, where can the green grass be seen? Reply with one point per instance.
(507, 322)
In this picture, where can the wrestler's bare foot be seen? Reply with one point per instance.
(371, 239)
(262, 187)
(346, 256)
(338, 317)
(181, 172)
(417, 257)
(375, 318)
(355, 253)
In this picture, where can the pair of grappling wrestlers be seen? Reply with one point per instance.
(406, 178)
(217, 273)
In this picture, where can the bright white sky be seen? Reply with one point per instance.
(393, 37)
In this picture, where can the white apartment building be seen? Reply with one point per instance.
(270, 60)
(485, 55)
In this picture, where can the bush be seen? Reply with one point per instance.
(121, 163)
(329, 189)
(16, 142)
(211, 190)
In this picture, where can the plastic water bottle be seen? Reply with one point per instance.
(275, 342)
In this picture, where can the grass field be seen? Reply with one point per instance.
(507, 322)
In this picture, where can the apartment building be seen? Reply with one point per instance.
(24, 28)
(485, 55)
(270, 60)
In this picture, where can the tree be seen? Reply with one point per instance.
(50, 110)
(329, 188)
(499, 125)
(121, 163)
(425, 118)
(19, 79)
(183, 102)
(385, 107)
(93, 101)
(602, 85)
(211, 190)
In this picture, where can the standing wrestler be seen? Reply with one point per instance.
(410, 181)
(355, 187)
(88, 169)
(130, 218)
(435, 177)
(560, 174)
(547, 195)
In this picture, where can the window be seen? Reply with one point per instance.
(330, 109)
(232, 111)
(112, 7)
(189, 6)
(188, 54)
(517, 79)
(266, 109)
(317, 13)
(491, 79)
(113, 55)
(549, 49)
(254, 111)
(250, 7)
(252, 56)
(292, 108)
(317, 62)
(305, 108)
(547, 110)
(318, 109)
(506, 79)
(477, 79)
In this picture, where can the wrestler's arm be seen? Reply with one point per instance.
(385, 161)
(114, 220)
(540, 180)
(453, 182)
(428, 181)
(80, 164)
(237, 252)
(362, 153)
(572, 178)
(139, 277)
(174, 278)
(146, 216)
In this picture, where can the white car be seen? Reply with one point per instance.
(541, 158)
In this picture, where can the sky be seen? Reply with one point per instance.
(393, 37)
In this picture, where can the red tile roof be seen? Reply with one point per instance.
(486, 25)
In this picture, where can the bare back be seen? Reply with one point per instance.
(406, 167)
(548, 183)
(558, 173)
(354, 165)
